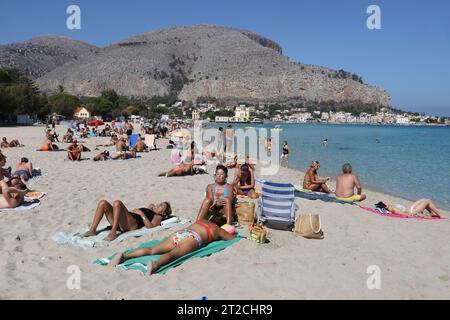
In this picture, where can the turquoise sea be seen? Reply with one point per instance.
(408, 161)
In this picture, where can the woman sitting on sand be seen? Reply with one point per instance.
(184, 169)
(417, 209)
(245, 182)
(219, 199)
(24, 170)
(111, 143)
(140, 145)
(12, 144)
(123, 220)
(68, 137)
(180, 243)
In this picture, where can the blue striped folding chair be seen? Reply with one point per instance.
(276, 205)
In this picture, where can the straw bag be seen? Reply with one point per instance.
(309, 226)
(245, 212)
(258, 233)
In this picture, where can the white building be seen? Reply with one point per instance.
(81, 113)
(402, 120)
(222, 119)
(195, 115)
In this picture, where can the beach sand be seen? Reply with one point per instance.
(411, 254)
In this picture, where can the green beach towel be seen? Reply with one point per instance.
(141, 262)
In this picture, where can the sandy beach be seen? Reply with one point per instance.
(411, 254)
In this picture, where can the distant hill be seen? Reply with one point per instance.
(41, 55)
(210, 61)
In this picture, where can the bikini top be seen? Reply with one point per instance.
(208, 230)
(225, 192)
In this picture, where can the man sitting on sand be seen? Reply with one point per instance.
(313, 182)
(140, 145)
(24, 170)
(346, 183)
(12, 144)
(123, 220)
(75, 150)
(219, 199)
(68, 137)
(4, 173)
(11, 197)
(184, 169)
(180, 243)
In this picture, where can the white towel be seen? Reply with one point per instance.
(27, 205)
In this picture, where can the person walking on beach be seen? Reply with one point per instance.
(313, 182)
(219, 199)
(180, 243)
(346, 182)
(285, 155)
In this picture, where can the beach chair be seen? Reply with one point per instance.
(276, 207)
(150, 141)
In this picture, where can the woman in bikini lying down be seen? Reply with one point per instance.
(180, 243)
(123, 220)
(417, 209)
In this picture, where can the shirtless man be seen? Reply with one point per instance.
(346, 183)
(75, 150)
(24, 170)
(140, 145)
(11, 197)
(312, 180)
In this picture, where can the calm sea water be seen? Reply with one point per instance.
(411, 162)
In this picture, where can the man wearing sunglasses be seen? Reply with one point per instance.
(313, 182)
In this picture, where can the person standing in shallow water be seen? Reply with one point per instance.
(285, 155)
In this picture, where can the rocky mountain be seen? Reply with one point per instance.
(208, 61)
(41, 55)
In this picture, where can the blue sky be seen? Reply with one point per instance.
(409, 56)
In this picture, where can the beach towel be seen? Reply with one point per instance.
(76, 240)
(27, 205)
(35, 195)
(393, 215)
(314, 195)
(141, 262)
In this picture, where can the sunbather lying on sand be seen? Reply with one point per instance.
(123, 220)
(125, 156)
(11, 197)
(111, 143)
(182, 242)
(12, 144)
(24, 170)
(102, 156)
(416, 209)
(184, 169)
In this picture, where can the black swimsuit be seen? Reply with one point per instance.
(285, 151)
(149, 214)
